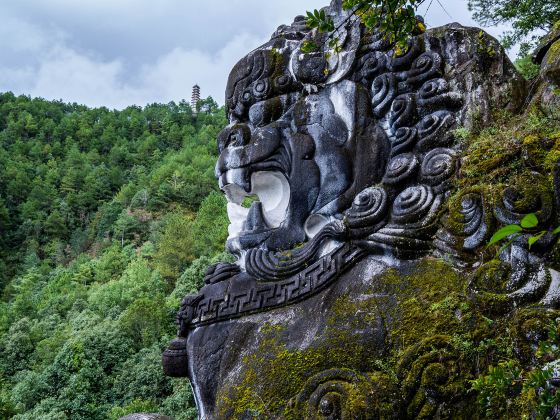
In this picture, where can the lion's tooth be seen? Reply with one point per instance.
(237, 215)
(236, 212)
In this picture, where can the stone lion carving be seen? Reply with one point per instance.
(353, 157)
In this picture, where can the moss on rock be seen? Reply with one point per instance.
(431, 302)
(440, 337)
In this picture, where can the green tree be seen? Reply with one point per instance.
(145, 320)
(180, 404)
(210, 225)
(208, 105)
(527, 68)
(125, 226)
(137, 281)
(55, 225)
(192, 279)
(17, 347)
(31, 388)
(529, 19)
(141, 377)
(175, 247)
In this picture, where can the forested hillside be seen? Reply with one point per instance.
(107, 218)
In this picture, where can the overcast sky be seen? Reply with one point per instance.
(121, 52)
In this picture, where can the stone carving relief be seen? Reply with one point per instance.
(353, 157)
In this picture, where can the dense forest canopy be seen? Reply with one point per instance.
(107, 219)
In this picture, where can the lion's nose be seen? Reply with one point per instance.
(238, 177)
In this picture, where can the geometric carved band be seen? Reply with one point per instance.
(263, 296)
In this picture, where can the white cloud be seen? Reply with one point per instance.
(174, 74)
(63, 73)
(22, 76)
(20, 36)
(45, 56)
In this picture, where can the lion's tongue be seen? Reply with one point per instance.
(255, 219)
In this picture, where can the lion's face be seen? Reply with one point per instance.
(298, 153)
(360, 135)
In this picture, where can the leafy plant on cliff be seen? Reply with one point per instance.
(396, 18)
(507, 389)
(527, 68)
(513, 231)
(497, 387)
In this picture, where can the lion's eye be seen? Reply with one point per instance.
(235, 136)
(232, 139)
(235, 139)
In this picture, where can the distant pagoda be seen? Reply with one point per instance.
(195, 97)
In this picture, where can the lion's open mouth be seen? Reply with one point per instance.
(271, 191)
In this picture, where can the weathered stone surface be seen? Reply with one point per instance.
(546, 43)
(550, 67)
(478, 68)
(547, 86)
(361, 276)
(547, 99)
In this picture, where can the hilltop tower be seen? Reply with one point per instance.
(195, 97)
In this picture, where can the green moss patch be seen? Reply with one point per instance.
(512, 146)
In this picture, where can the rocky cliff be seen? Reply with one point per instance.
(364, 287)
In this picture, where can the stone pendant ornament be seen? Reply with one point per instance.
(175, 359)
